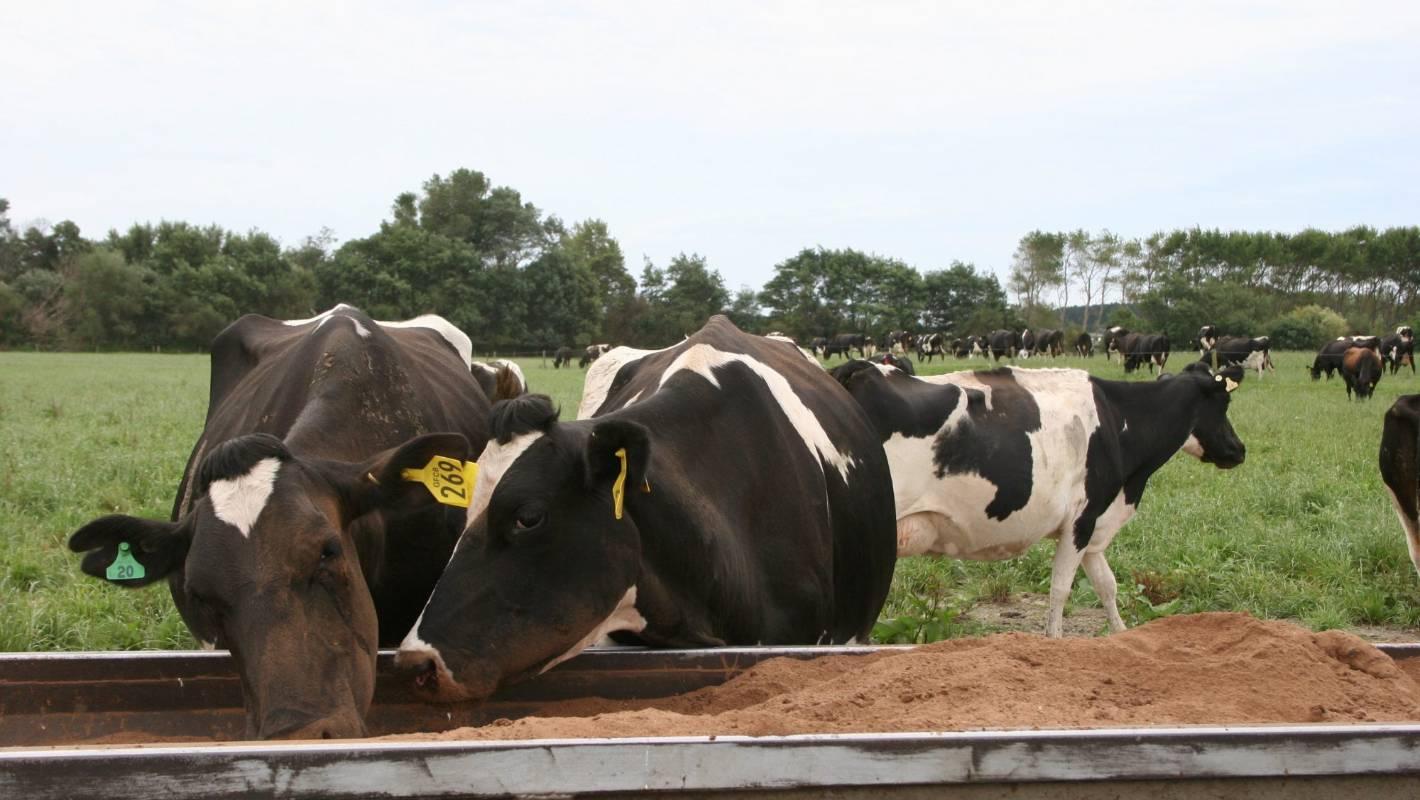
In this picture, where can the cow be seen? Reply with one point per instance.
(500, 379)
(843, 344)
(1206, 339)
(651, 522)
(1027, 346)
(987, 463)
(1400, 467)
(1144, 348)
(1251, 353)
(1398, 349)
(563, 356)
(592, 353)
(1004, 343)
(295, 540)
(1113, 337)
(900, 342)
(1328, 358)
(970, 347)
(1361, 370)
(1049, 342)
(1085, 345)
(899, 362)
(930, 345)
(819, 345)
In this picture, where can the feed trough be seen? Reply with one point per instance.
(137, 725)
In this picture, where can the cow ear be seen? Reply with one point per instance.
(139, 551)
(604, 462)
(389, 480)
(1229, 378)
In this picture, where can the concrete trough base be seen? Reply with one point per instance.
(91, 692)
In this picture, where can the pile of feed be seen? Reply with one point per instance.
(1202, 669)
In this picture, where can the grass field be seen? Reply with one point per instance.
(1302, 531)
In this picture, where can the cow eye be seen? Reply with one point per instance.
(331, 550)
(529, 518)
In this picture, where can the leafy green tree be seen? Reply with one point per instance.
(1038, 265)
(961, 300)
(106, 300)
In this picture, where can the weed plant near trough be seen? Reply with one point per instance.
(1302, 531)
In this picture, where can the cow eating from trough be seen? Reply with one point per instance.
(1400, 467)
(985, 464)
(724, 491)
(296, 540)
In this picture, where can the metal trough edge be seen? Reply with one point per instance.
(696, 765)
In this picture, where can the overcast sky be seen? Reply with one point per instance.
(745, 132)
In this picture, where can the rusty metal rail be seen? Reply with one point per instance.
(46, 700)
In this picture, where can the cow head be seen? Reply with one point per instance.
(1212, 439)
(1406, 333)
(549, 561)
(267, 562)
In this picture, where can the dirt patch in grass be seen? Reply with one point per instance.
(1199, 669)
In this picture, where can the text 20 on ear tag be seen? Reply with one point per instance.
(125, 567)
(448, 479)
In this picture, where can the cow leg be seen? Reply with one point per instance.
(1102, 578)
(1062, 580)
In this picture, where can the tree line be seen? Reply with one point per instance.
(520, 280)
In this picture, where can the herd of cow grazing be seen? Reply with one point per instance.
(360, 484)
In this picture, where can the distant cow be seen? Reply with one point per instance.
(985, 464)
(930, 345)
(1084, 345)
(592, 353)
(1361, 369)
(564, 356)
(501, 379)
(971, 347)
(1050, 342)
(1113, 338)
(1398, 349)
(1400, 467)
(1206, 339)
(1027, 346)
(1144, 348)
(844, 343)
(1328, 358)
(819, 345)
(651, 522)
(1004, 343)
(1249, 352)
(900, 342)
(296, 539)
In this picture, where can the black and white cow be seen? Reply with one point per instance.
(1139, 349)
(724, 491)
(930, 345)
(295, 540)
(902, 363)
(844, 343)
(592, 353)
(1400, 467)
(563, 356)
(1328, 358)
(899, 342)
(1084, 345)
(1206, 339)
(500, 379)
(1027, 347)
(985, 464)
(1398, 349)
(1250, 353)
(1113, 340)
(1004, 343)
(1050, 342)
(819, 345)
(1361, 369)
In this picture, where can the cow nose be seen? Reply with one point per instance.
(421, 668)
(341, 725)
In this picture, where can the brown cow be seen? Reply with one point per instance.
(1361, 369)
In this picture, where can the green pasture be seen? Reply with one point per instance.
(1302, 531)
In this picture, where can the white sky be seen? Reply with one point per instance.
(742, 131)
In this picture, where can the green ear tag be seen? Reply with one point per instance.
(125, 567)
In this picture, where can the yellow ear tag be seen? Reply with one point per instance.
(448, 479)
(618, 487)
